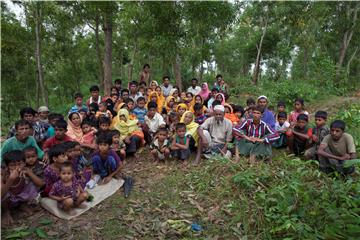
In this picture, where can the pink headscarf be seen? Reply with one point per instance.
(223, 97)
(204, 94)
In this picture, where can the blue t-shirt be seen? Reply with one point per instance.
(140, 114)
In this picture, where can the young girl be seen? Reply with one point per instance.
(15, 190)
(183, 97)
(57, 156)
(298, 109)
(34, 169)
(181, 108)
(118, 145)
(173, 119)
(88, 140)
(229, 114)
(159, 148)
(180, 144)
(67, 191)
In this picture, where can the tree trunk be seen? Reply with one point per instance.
(177, 71)
(131, 65)
(98, 51)
(108, 52)
(44, 96)
(350, 60)
(258, 56)
(201, 73)
(346, 38)
(306, 60)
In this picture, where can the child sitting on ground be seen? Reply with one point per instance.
(318, 133)
(153, 121)
(281, 107)
(105, 161)
(57, 156)
(159, 148)
(104, 124)
(250, 104)
(88, 139)
(336, 148)
(298, 136)
(281, 126)
(200, 117)
(15, 190)
(180, 144)
(118, 145)
(140, 110)
(229, 114)
(130, 105)
(181, 108)
(60, 136)
(173, 119)
(34, 169)
(239, 112)
(103, 111)
(67, 191)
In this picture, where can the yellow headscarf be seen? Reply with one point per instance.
(202, 102)
(181, 105)
(159, 101)
(127, 127)
(167, 101)
(192, 127)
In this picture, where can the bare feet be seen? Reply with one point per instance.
(26, 209)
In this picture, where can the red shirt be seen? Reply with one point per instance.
(53, 141)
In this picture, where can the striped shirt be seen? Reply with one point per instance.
(263, 130)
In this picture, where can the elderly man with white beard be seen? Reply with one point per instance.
(216, 133)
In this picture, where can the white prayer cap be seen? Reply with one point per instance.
(262, 97)
(43, 109)
(219, 108)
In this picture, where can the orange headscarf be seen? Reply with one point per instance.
(202, 102)
(159, 101)
(167, 101)
(231, 116)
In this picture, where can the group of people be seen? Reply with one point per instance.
(61, 157)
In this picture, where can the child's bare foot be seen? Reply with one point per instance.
(7, 220)
(184, 164)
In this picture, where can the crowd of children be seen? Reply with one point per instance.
(60, 157)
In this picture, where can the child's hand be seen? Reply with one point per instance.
(14, 174)
(315, 138)
(64, 197)
(346, 157)
(106, 180)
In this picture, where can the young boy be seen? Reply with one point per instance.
(106, 162)
(140, 110)
(78, 103)
(281, 107)
(336, 148)
(53, 118)
(180, 144)
(95, 97)
(33, 168)
(118, 145)
(281, 126)
(200, 117)
(159, 148)
(254, 137)
(298, 136)
(60, 135)
(317, 134)
(104, 123)
(239, 112)
(103, 111)
(153, 121)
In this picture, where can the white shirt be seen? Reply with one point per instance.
(166, 90)
(155, 122)
(195, 90)
(278, 127)
(220, 132)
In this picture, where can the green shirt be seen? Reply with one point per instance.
(14, 144)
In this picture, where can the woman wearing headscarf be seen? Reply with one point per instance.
(74, 130)
(154, 97)
(204, 93)
(153, 85)
(169, 102)
(229, 114)
(129, 130)
(175, 93)
(192, 130)
(220, 97)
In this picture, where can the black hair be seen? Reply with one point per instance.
(321, 114)
(94, 88)
(113, 94)
(78, 95)
(29, 149)
(94, 106)
(142, 84)
(13, 156)
(192, 95)
(219, 75)
(146, 65)
(215, 89)
(281, 115)
(104, 138)
(258, 108)
(104, 120)
(86, 122)
(61, 123)
(338, 124)
(53, 116)
(140, 99)
(71, 114)
(215, 102)
(162, 129)
(27, 110)
(114, 132)
(67, 165)
(165, 77)
(133, 83)
(152, 105)
(82, 110)
(56, 150)
(129, 100)
(281, 104)
(198, 106)
(22, 122)
(124, 90)
(113, 87)
(302, 117)
(173, 115)
(69, 145)
(250, 101)
(299, 100)
(118, 80)
(180, 125)
(194, 79)
(238, 108)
